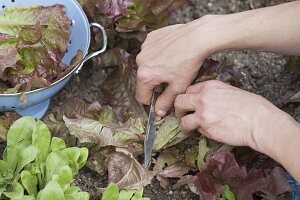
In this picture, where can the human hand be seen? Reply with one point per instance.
(173, 55)
(170, 55)
(229, 115)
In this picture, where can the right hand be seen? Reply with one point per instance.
(170, 55)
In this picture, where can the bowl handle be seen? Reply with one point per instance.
(99, 51)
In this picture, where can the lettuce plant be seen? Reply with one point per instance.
(112, 192)
(36, 166)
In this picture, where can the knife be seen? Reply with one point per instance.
(151, 129)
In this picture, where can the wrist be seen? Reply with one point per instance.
(277, 135)
(244, 30)
(213, 33)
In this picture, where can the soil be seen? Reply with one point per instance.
(263, 73)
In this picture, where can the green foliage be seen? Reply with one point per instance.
(112, 192)
(227, 194)
(36, 167)
(203, 149)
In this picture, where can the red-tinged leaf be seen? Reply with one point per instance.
(113, 8)
(167, 7)
(119, 89)
(276, 183)
(127, 22)
(38, 43)
(227, 165)
(225, 72)
(208, 187)
(126, 171)
(175, 6)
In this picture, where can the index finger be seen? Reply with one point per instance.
(144, 92)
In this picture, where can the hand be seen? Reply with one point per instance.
(169, 55)
(174, 54)
(229, 115)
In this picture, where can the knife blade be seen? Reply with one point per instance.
(150, 134)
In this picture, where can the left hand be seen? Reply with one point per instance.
(229, 115)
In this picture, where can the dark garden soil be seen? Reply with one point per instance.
(263, 74)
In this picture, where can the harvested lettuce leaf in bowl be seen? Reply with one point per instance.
(33, 42)
(38, 38)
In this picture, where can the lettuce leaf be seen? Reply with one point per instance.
(127, 22)
(132, 175)
(32, 165)
(33, 42)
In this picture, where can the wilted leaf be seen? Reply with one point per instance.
(176, 170)
(126, 171)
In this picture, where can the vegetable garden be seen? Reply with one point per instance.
(90, 143)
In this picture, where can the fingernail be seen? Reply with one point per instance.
(161, 113)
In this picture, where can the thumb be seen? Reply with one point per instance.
(165, 101)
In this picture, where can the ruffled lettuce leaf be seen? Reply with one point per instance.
(33, 42)
(128, 22)
(223, 169)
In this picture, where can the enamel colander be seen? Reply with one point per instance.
(36, 102)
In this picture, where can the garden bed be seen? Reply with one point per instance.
(262, 73)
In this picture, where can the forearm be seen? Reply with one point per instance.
(272, 29)
(284, 147)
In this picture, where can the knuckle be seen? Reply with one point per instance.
(211, 84)
(200, 98)
(142, 74)
(139, 59)
(205, 116)
(183, 123)
(177, 103)
(177, 89)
